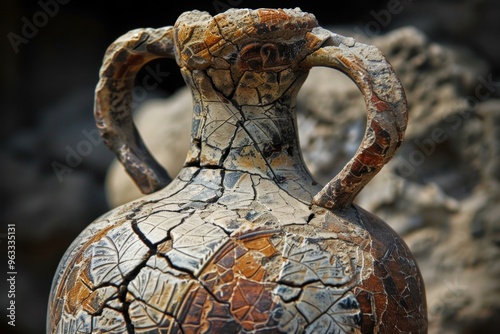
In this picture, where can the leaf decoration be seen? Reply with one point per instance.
(116, 255)
(194, 242)
(307, 263)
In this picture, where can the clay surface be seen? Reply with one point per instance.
(243, 239)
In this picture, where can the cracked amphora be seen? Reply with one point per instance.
(242, 240)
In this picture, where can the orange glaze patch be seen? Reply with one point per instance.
(379, 104)
(272, 16)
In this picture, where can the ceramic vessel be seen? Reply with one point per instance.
(243, 240)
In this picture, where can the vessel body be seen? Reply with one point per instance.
(243, 239)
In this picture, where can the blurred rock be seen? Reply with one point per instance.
(61, 163)
(488, 147)
(68, 133)
(53, 174)
(473, 23)
(441, 191)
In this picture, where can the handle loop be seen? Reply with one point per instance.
(387, 114)
(122, 61)
(387, 110)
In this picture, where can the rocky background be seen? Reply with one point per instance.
(441, 192)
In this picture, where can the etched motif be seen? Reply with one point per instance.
(194, 242)
(116, 255)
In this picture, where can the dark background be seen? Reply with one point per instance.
(46, 100)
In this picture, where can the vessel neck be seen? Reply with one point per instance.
(251, 128)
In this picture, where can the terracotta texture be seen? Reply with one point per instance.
(243, 239)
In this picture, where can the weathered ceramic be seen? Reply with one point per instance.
(243, 240)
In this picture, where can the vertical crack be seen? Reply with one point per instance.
(275, 177)
(123, 289)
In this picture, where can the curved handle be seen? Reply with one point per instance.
(112, 111)
(387, 114)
